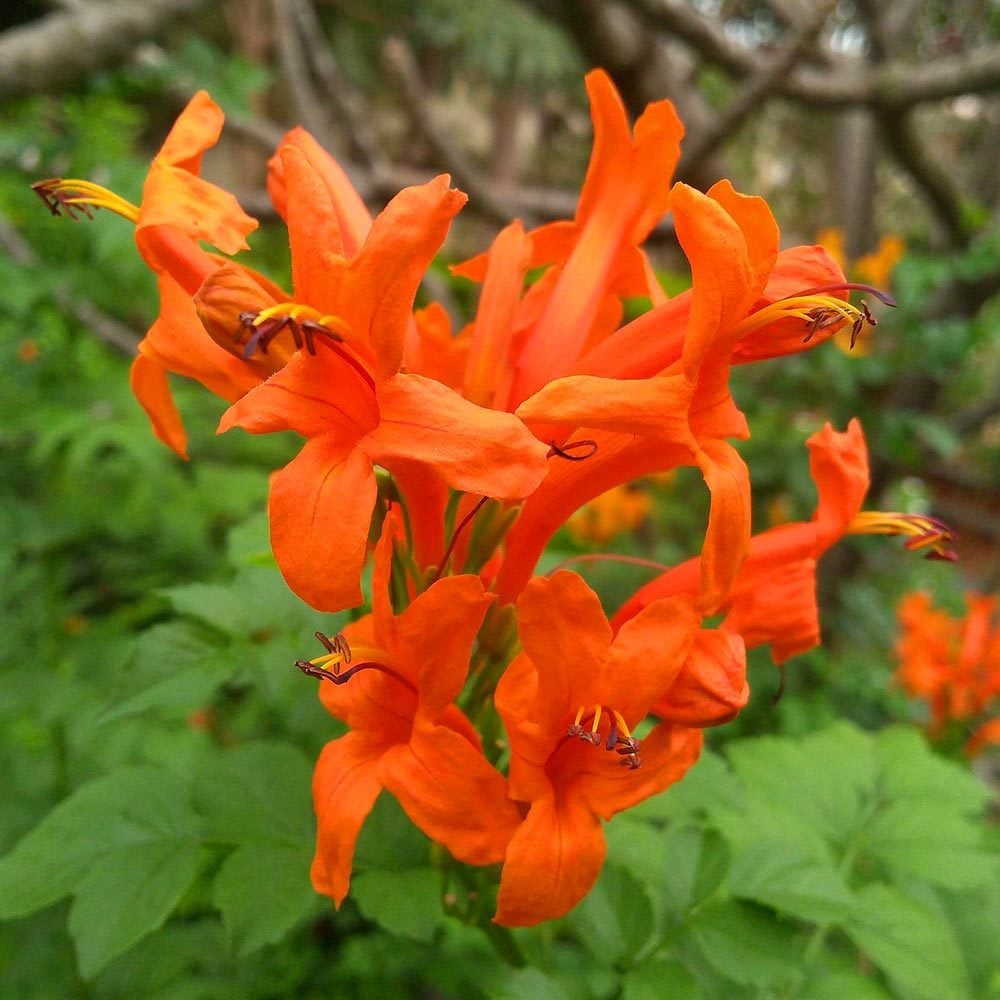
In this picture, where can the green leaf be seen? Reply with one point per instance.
(127, 894)
(407, 903)
(911, 944)
(263, 891)
(258, 796)
(389, 840)
(844, 984)
(920, 837)
(825, 780)
(746, 944)
(172, 667)
(695, 861)
(615, 919)
(708, 785)
(257, 793)
(658, 978)
(126, 845)
(908, 769)
(531, 983)
(782, 875)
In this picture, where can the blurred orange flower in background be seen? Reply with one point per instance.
(953, 664)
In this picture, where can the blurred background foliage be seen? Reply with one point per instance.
(151, 715)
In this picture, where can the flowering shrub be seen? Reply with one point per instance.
(505, 711)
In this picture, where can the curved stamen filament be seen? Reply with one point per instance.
(619, 739)
(76, 197)
(331, 323)
(339, 654)
(573, 451)
(920, 531)
(303, 323)
(817, 311)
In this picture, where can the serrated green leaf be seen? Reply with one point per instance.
(825, 781)
(785, 877)
(637, 847)
(126, 845)
(138, 805)
(215, 604)
(913, 945)
(657, 979)
(262, 892)
(407, 903)
(389, 840)
(923, 838)
(746, 944)
(615, 919)
(908, 769)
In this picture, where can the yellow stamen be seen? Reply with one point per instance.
(297, 311)
(622, 727)
(818, 312)
(597, 719)
(71, 193)
(920, 531)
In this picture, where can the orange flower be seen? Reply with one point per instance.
(569, 703)
(394, 679)
(597, 255)
(773, 597)
(952, 663)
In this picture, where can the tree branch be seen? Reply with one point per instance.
(755, 90)
(57, 50)
(894, 85)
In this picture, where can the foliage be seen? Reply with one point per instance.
(157, 743)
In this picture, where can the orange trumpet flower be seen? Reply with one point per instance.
(393, 679)
(569, 703)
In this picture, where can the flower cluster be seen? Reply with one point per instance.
(501, 708)
(953, 664)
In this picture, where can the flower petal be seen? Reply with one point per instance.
(473, 449)
(314, 394)
(434, 636)
(345, 787)
(339, 195)
(566, 635)
(320, 508)
(647, 654)
(711, 688)
(493, 330)
(607, 788)
(451, 792)
(152, 390)
(838, 464)
(174, 195)
(552, 862)
(377, 295)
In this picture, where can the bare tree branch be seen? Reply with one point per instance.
(895, 85)
(59, 49)
(353, 114)
(308, 103)
(398, 59)
(756, 89)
